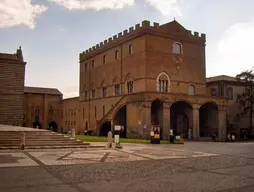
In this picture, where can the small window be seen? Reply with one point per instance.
(117, 89)
(130, 87)
(83, 112)
(74, 123)
(130, 49)
(230, 92)
(85, 95)
(95, 112)
(191, 90)
(213, 92)
(86, 67)
(93, 63)
(104, 91)
(104, 59)
(177, 48)
(116, 54)
(93, 93)
(74, 112)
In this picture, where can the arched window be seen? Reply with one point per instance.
(191, 90)
(104, 89)
(230, 92)
(177, 48)
(116, 88)
(92, 91)
(129, 84)
(163, 83)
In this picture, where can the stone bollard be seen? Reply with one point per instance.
(73, 133)
(22, 140)
(109, 139)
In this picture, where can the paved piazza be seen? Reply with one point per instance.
(192, 167)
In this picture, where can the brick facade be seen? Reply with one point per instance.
(12, 67)
(155, 68)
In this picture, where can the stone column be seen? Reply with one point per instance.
(44, 121)
(166, 120)
(222, 133)
(146, 119)
(195, 128)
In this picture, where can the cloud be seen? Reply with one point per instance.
(19, 12)
(60, 28)
(167, 7)
(234, 52)
(93, 4)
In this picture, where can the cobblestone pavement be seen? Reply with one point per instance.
(192, 167)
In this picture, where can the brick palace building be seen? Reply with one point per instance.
(148, 75)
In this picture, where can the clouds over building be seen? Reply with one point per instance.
(25, 12)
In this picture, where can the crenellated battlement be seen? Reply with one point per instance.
(133, 30)
(121, 35)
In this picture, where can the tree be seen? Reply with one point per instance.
(246, 98)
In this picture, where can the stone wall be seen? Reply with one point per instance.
(12, 76)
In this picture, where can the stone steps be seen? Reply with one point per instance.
(10, 138)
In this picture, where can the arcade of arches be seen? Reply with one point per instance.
(199, 121)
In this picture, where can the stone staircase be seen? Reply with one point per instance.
(10, 138)
(109, 114)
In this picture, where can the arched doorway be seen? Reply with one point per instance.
(105, 128)
(208, 119)
(37, 124)
(120, 119)
(181, 118)
(157, 115)
(52, 126)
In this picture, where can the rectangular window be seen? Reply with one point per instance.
(83, 113)
(103, 110)
(95, 112)
(130, 49)
(116, 54)
(117, 89)
(74, 112)
(104, 92)
(86, 67)
(74, 123)
(104, 59)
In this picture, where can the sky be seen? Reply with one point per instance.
(52, 33)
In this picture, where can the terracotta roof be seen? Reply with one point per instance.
(42, 90)
(221, 78)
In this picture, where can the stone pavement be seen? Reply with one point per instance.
(190, 167)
